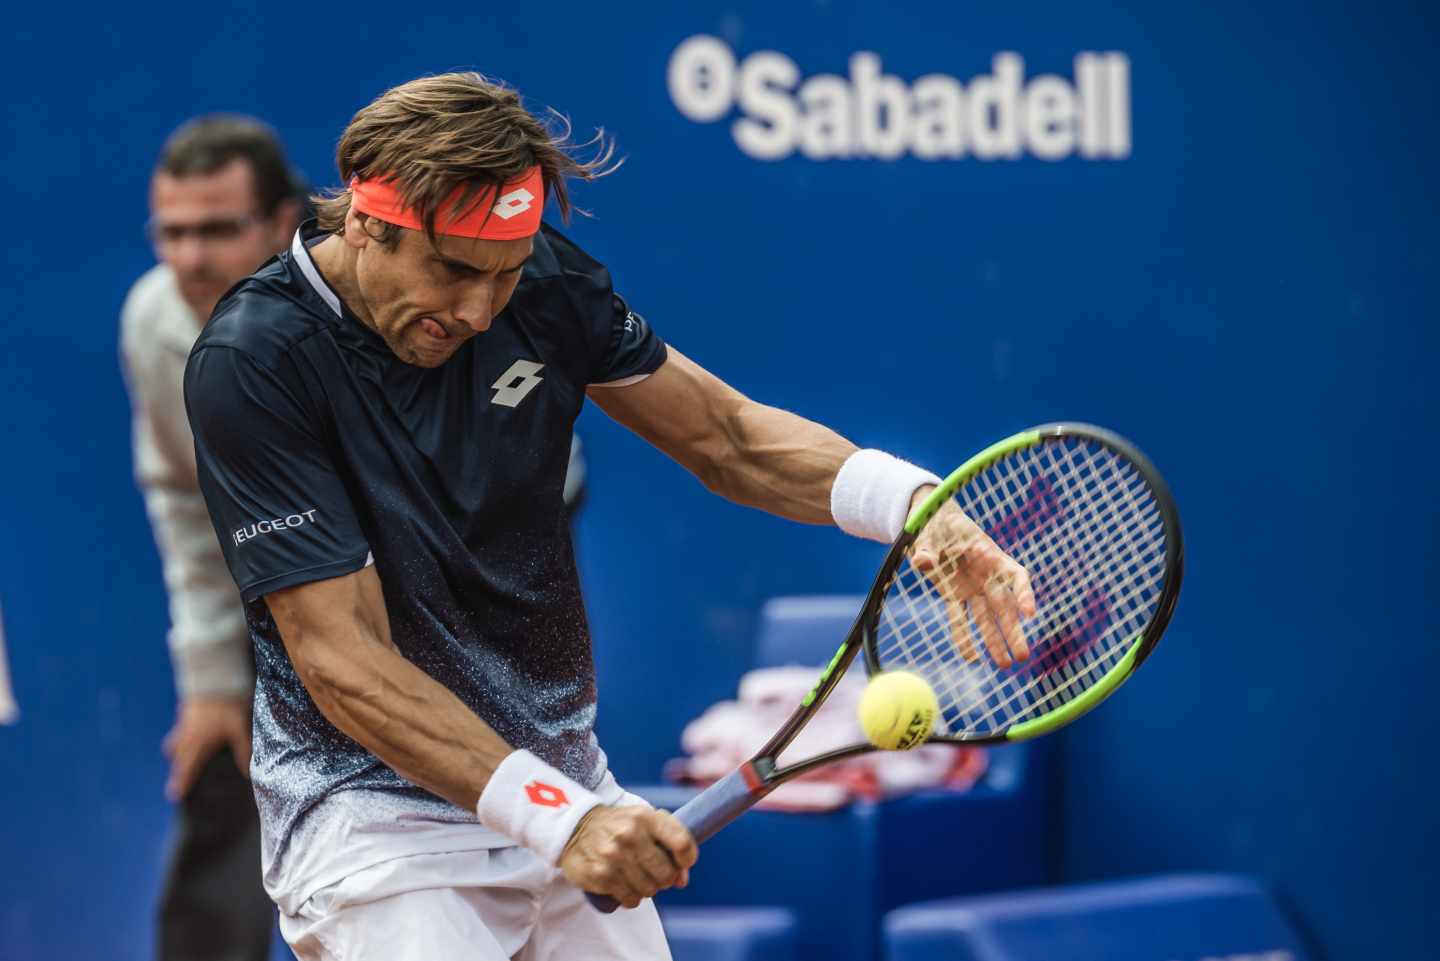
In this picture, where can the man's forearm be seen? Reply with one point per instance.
(779, 462)
(385, 703)
(414, 724)
(762, 456)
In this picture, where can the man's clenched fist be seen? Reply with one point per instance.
(629, 853)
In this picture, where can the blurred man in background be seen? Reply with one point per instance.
(222, 201)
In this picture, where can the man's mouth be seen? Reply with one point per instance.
(433, 328)
(200, 283)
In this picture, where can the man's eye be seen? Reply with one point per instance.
(219, 229)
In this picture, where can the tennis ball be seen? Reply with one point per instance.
(897, 710)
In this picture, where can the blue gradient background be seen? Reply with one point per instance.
(1251, 297)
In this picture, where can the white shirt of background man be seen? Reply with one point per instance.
(209, 642)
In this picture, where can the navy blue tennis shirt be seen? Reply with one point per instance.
(320, 451)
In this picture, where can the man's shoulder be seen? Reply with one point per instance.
(153, 307)
(560, 280)
(264, 316)
(556, 256)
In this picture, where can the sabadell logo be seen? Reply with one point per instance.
(1001, 115)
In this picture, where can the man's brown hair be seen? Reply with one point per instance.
(435, 134)
(202, 146)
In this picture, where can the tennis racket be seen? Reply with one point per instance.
(1094, 525)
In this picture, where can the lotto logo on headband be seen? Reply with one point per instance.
(514, 214)
(513, 204)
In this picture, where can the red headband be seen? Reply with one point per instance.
(515, 214)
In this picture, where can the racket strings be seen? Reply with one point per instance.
(1068, 667)
(1073, 660)
(1053, 674)
(909, 640)
(1083, 523)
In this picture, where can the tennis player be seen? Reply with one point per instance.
(382, 417)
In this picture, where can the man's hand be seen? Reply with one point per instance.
(979, 582)
(629, 853)
(206, 724)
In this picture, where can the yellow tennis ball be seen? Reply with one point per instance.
(897, 710)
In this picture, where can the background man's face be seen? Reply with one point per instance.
(208, 229)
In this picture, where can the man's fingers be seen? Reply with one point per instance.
(629, 852)
(668, 849)
(660, 868)
(994, 643)
(184, 768)
(676, 839)
(606, 869)
(978, 582)
(635, 874)
(952, 593)
(1005, 606)
(961, 617)
(1024, 593)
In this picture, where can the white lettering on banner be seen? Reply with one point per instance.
(874, 114)
(273, 526)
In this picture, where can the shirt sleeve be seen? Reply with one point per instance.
(280, 508)
(633, 350)
(624, 348)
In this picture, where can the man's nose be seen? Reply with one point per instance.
(187, 254)
(473, 307)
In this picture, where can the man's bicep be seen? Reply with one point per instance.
(330, 613)
(683, 409)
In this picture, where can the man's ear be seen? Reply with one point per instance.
(355, 233)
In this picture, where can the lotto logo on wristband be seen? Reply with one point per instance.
(546, 795)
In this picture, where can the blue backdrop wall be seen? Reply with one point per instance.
(1219, 239)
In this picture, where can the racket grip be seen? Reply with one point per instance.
(704, 814)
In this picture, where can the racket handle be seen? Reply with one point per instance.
(704, 814)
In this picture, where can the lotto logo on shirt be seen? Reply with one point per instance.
(1001, 115)
(275, 526)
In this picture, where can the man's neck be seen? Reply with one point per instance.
(335, 260)
(200, 314)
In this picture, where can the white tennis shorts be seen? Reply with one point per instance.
(486, 905)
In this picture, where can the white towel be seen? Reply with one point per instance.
(729, 733)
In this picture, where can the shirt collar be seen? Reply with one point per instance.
(301, 254)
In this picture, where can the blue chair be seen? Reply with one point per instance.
(841, 871)
(730, 934)
(1179, 916)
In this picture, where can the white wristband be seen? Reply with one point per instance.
(872, 493)
(531, 802)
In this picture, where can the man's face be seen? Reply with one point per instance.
(207, 228)
(425, 302)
